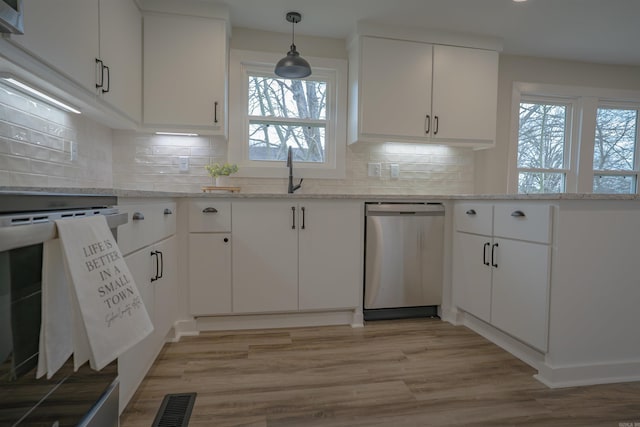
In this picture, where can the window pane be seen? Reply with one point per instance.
(286, 98)
(615, 141)
(614, 184)
(272, 141)
(541, 135)
(538, 182)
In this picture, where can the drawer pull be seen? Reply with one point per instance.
(518, 214)
(471, 212)
(137, 216)
(493, 250)
(167, 211)
(209, 210)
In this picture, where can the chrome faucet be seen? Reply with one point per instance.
(292, 187)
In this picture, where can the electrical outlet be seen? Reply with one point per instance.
(375, 169)
(183, 163)
(395, 170)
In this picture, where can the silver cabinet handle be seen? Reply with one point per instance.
(210, 210)
(167, 211)
(519, 214)
(137, 216)
(471, 212)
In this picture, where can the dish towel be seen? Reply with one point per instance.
(56, 343)
(108, 312)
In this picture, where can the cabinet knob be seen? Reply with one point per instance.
(210, 210)
(518, 214)
(167, 211)
(137, 216)
(471, 212)
(226, 240)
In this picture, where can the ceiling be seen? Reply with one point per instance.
(605, 31)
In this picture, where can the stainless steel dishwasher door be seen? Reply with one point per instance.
(404, 253)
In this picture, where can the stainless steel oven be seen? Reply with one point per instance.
(82, 398)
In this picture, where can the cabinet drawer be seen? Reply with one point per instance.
(209, 216)
(147, 224)
(474, 218)
(522, 221)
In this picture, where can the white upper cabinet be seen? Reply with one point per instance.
(395, 89)
(185, 73)
(408, 91)
(95, 43)
(121, 51)
(64, 35)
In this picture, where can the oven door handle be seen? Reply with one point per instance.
(32, 234)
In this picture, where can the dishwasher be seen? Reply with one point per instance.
(403, 260)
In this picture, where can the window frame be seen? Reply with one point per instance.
(333, 71)
(586, 100)
(635, 171)
(570, 104)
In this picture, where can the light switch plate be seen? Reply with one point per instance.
(183, 163)
(73, 148)
(375, 169)
(395, 170)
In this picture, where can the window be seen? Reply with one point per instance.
(614, 153)
(287, 113)
(542, 146)
(573, 139)
(269, 114)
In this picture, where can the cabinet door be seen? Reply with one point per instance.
(465, 91)
(395, 88)
(185, 63)
(135, 362)
(64, 35)
(330, 255)
(471, 277)
(209, 273)
(520, 303)
(121, 51)
(165, 287)
(265, 256)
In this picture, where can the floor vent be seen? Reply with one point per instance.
(175, 410)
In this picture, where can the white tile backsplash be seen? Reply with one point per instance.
(35, 150)
(150, 162)
(35, 145)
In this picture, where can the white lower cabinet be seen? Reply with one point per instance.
(296, 255)
(154, 267)
(210, 273)
(501, 280)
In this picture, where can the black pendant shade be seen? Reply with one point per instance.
(293, 66)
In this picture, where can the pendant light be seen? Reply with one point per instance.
(293, 66)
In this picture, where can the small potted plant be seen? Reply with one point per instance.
(221, 172)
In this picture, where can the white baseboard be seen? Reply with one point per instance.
(276, 320)
(580, 375)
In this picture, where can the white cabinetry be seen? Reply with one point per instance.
(209, 257)
(418, 92)
(501, 267)
(290, 256)
(95, 43)
(185, 73)
(148, 244)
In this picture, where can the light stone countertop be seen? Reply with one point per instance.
(124, 193)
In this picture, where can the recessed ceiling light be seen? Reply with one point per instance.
(519, 1)
(177, 134)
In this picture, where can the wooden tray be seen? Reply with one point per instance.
(210, 188)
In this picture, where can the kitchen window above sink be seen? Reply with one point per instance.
(271, 114)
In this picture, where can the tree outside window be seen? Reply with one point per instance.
(287, 113)
(542, 145)
(614, 151)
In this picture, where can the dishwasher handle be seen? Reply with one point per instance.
(409, 209)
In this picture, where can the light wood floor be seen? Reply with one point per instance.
(389, 373)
